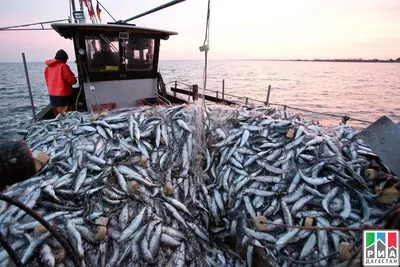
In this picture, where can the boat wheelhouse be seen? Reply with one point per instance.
(127, 76)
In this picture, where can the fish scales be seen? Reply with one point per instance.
(244, 166)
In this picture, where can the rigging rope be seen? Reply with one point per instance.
(106, 10)
(206, 43)
(59, 237)
(319, 112)
(31, 24)
(327, 257)
(11, 252)
(35, 29)
(319, 228)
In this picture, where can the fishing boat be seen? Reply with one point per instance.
(133, 79)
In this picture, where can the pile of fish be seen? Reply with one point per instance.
(182, 186)
(265, 180)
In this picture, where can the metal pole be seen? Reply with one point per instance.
(29, 87)
(217, 94)
(223, 88)
(247, 100)
(153, 10)
(32, 24)
(269, 91)
(73, 10)
(73, 5)
(176, 85)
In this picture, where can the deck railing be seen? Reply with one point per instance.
(222, 96)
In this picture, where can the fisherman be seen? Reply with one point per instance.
(104, 57)
(59, 80)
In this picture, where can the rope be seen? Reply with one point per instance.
(169, 82)
(318, 112)
(47, 225)
(11, 252)
(183, 83)
(106, 10)
(77, 98)
(309, 262)
(328, 228)
(206, 42)
(357, 243)
(93, 91)
(353, 257)
(109, 42)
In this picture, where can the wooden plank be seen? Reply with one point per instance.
(174, 99)
(207, 97)
(195, 92)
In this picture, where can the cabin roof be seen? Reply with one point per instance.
(67, 30)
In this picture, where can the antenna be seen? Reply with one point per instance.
(152, 10)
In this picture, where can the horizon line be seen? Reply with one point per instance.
(256, 59)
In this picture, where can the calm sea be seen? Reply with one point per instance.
(362, 91)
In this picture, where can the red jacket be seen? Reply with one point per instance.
(59, 78)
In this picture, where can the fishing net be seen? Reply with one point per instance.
(287, 171)
(193, 186)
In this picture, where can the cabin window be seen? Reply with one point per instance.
(102, 53)
(138, 53)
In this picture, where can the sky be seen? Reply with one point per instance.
(251, 29)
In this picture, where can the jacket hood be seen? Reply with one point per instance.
(52, 62)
